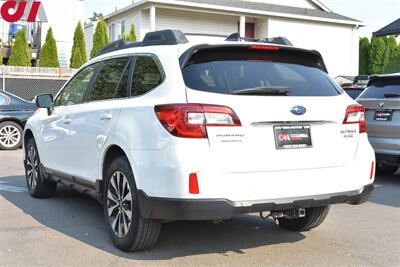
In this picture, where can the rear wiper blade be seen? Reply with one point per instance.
(389, 95)
(267, 90)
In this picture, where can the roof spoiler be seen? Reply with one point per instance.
(164, 37)
(175, 37)
(235, 37)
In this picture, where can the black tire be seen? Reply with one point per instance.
(141, 233)
(8, 130)
(386, 170)
(314, 217)
(38, 187)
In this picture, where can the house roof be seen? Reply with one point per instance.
(274, 8)
(391, 29)
(322, 14)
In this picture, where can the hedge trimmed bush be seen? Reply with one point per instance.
(78, 54)
(49, 53)
(20, 55)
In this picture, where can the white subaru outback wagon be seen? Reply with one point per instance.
(166, 129)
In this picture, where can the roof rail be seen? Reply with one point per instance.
(164, 37)
(235, 37)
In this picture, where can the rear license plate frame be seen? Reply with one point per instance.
(383, 115)
(292, 137)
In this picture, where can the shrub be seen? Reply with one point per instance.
(78, 54)
(49, 53)
(20, 55)
(100, 38)
(364, 55)
(131, 36)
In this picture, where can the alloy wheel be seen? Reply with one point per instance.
(9, 136)
(32, 168)
(119, 204)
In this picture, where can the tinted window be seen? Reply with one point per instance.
(74, 91)
(353, 93)
(3, 100)
(111, 79)
(381, 88)
(147, 75)
(226, 70)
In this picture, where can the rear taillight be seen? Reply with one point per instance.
(355, 114)
(190, 120)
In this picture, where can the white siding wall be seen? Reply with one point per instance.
(336, 43)
(133, 17)
(89, 32)
(192, 22)
(262, 28)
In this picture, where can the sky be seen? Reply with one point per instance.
(375, 13)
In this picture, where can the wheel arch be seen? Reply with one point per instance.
(28, 134)
(16, 120)
(112, 152)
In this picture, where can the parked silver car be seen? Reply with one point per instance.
(382, 101)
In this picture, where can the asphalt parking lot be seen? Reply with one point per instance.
(68, 230)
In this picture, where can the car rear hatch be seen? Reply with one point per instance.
(382, 102)
(291, 112)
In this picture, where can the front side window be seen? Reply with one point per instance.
(74, 92)
(112, 80)
(147, 75)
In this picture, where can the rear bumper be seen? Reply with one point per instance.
(220, 209)
(385, 146)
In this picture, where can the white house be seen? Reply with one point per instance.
(61, 15)
(306, 23)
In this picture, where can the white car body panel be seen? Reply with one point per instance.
(248, 170)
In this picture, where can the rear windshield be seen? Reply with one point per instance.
(226, 70)
(382, 89)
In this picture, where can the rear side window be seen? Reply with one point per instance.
(382, 89)
(147, 75)
(226, 70)
(3, 100)
(112, 80)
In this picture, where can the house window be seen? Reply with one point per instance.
(111, 30)
(123, 28)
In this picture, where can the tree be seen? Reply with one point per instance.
(20, 55)
(96, 16)
(78, 54)
(364, 56)
(376, 55)
(390, 53)
(1, 59)
(100, 38)
(49, 53)
(394, 63)
(131, 36)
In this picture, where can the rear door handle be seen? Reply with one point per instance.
(106, 117)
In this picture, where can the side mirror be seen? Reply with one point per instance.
(45, 101)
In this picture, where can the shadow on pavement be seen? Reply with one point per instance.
(387, 191)
(81, 217)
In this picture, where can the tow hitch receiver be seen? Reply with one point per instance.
(288, 214)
